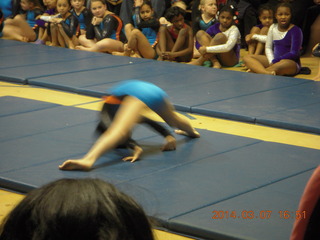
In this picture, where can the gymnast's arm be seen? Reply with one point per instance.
(70, 29)
(109, 24)
(87, 17)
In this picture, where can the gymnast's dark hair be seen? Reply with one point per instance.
(77, 209)
(174, 12)
(265, 7)
(284, 4)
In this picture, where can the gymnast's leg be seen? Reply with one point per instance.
(168, 114)
(127, 116)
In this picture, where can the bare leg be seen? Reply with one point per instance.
(260, 46)
(226, 59)
(174, 120)
(284, 67)
(165, 42)
(253, 43)
(105, 45)
(257, 64)
(139, 44)
(84, 42)
(204, 39)
(314, 36)
(182, 43)
(128, 29)
(18, 29)
(54, 34)
(65, 37)
(127, 116)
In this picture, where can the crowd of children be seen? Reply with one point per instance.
(211, 35)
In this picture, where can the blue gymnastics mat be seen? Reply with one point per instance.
(180, 189)
(271, 100)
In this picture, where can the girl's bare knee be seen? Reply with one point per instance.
(219, 38)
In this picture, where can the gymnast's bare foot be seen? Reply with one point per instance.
(195, 134)
(78, 164)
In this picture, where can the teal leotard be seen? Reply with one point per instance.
(153, 96)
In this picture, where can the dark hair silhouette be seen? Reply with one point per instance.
(77, 209)
(174, 12)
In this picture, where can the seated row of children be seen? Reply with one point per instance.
(212, 38)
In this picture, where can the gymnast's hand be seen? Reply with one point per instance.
(170, 144)
(96, 21)
(76, 164)
(136, 154)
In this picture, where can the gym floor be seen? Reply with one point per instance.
(9, 199)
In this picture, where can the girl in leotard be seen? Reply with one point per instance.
(104, 34)
(283, 46)
(108, 112)
(258, 35)
(221, 42)
(142, 33)
(64, 28)
(22, 27)
(83, 14)
(176, 40)
(136, 96)
(206, 19)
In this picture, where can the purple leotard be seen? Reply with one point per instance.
(284, 47)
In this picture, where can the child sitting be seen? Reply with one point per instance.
(43, 21)
(104, 34)
(142, 33)
(205, 20)
(83, 14)
(64, 28)
(283, 46)
(258, 35)
(22, 27)
(221, 42)
(176, 40)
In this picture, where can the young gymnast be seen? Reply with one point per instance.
(205, 20)
(142, 33)
(22, 26)
(64, 28)
(77, 209)
(207, 17)
(258, 35)
(176, 40)
(108, 112)
(83, 14)
(104, 34)
(135, 96)
(283, 46)
(221, 42)
(42, 22)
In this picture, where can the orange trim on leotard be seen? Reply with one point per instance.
(119, 28)
(112, 100)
